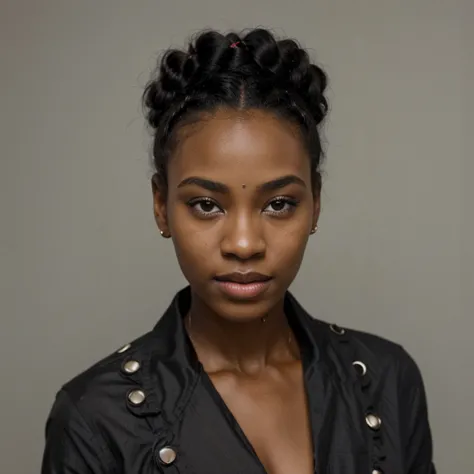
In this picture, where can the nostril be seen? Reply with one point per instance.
(243, 250)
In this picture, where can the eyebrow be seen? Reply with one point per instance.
(222, 188)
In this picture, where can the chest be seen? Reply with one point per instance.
(270, 415)
(223, 425)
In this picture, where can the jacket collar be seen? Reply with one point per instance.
(176, 345)
(172, 369)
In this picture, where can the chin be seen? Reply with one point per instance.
(244, 310)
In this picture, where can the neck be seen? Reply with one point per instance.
(248, 347)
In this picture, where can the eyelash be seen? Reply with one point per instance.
(292, 203)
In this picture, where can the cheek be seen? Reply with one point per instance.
(194, 247)
(287, 247)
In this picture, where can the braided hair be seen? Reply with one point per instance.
(252, 71)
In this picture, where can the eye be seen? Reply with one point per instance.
(281, 205)
(204, 207)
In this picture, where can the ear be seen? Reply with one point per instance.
(159, 204)
(316, 207)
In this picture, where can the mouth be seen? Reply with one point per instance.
(243, 286)
(244, 278)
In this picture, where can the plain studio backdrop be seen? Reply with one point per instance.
(83, 267)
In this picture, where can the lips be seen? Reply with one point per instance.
(243, 278)
(243, 286)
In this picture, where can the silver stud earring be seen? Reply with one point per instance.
(164, 235)
(314, 230)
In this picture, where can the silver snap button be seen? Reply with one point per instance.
(131, 366)
(337, 330)
(167, 455)
(362, 368)
(377, 471)
(123, 349)
(374, 422)
(136, 397)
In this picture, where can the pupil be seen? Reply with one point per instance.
(278, 205)
(207, 206)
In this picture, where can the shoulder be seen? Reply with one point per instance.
(79, 424)
(98, 395)
(87, 407)
(388, 354)
(103, 376)
(385, 351)
(384, 359)
(129, 380)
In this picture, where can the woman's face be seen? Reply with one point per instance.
(239, 208)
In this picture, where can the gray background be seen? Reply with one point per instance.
(83, 268)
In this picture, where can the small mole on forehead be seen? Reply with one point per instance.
(244, 186)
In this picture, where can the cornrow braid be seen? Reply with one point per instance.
(253, 71)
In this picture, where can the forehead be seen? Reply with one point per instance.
(234, 146)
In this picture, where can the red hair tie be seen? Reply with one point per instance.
(234, 45)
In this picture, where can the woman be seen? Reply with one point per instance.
(236, 377)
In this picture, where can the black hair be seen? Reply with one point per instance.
(249, 71)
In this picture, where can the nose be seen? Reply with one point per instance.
(243, 238)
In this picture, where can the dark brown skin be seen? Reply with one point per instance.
(255, 366)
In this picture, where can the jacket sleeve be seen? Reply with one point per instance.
(416, 428)
(71, 447)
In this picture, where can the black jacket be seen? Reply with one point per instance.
(150, 407)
